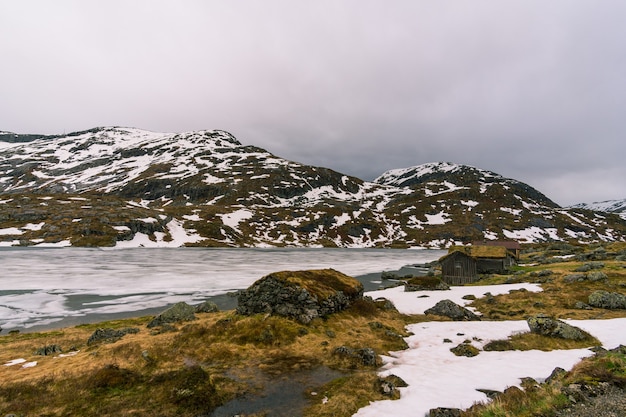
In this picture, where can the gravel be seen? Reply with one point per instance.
(610, 404)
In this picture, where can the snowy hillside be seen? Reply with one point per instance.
(130, 187)
(610, 206)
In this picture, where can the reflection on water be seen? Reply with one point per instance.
(54, 287)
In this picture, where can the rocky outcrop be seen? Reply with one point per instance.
(608, 300)
(452, 310)
(177, 313)
(108, 335)
(301, 295)
(546, 326)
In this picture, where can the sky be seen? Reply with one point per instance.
(532, 90)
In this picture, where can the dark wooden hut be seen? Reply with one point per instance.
(462, 264)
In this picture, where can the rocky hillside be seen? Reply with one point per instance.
(129, 187)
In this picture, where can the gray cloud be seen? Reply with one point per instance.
(532, 90)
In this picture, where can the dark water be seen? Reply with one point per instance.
(283, 396)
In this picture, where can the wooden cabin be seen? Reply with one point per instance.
(462, 264)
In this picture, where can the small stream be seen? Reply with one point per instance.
(286, 395)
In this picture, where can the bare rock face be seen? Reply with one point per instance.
(301, 295)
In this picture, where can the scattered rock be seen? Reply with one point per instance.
(108, 335)
(364, 356)
(542, 273)
(207, 307)
(301, 295)
(621, 349)
(452, 310)
(546, 326)
(582, 306)
(597, 276)
(48, 350)
(556, 373)
(491, 394)
(605, 299)
(444, 412)
(574, 278)
(589, 266)
(498, 346)
(425, 284)
(384, 304)
(465, 349)
(388, 386)
(178, 312)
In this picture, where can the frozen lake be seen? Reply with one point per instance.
(54, 287)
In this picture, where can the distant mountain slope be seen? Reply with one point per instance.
(129, 187)
(609, 206)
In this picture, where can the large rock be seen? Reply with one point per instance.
(108, 335)
(608, 300)
(452, 310)
(301, 295)
(546, 326)
(425, 283)
(177, 313)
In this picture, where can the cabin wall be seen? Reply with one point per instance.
(490, 266)
(458, 269)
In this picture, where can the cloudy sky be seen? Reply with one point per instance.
(534, 90)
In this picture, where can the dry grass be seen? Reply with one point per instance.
(165, 373)
(558, 298)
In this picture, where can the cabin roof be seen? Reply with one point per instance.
(509, 244)
(480, 251)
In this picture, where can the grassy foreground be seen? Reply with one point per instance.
(191, 368)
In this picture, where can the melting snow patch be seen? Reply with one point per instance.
(439, 218)
(30, 364)
(15, 362)
(427, 365)
(233, 219)
(11, 231)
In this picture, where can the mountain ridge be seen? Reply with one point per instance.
(205, 188)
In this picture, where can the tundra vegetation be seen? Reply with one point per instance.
(190, 368)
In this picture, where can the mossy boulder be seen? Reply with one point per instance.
(177, 313)
(465, 349)
(425, 283)
(608, 300)
(301, 295)
(449, 308)
(546, 326)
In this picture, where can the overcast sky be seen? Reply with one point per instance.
(532, 89)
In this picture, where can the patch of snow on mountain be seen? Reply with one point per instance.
(515, 212)
(11, 231)
(233, 219)
(439, 218)
(532, 234)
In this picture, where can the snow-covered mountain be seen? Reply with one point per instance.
(129, 187)
(609, 206)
